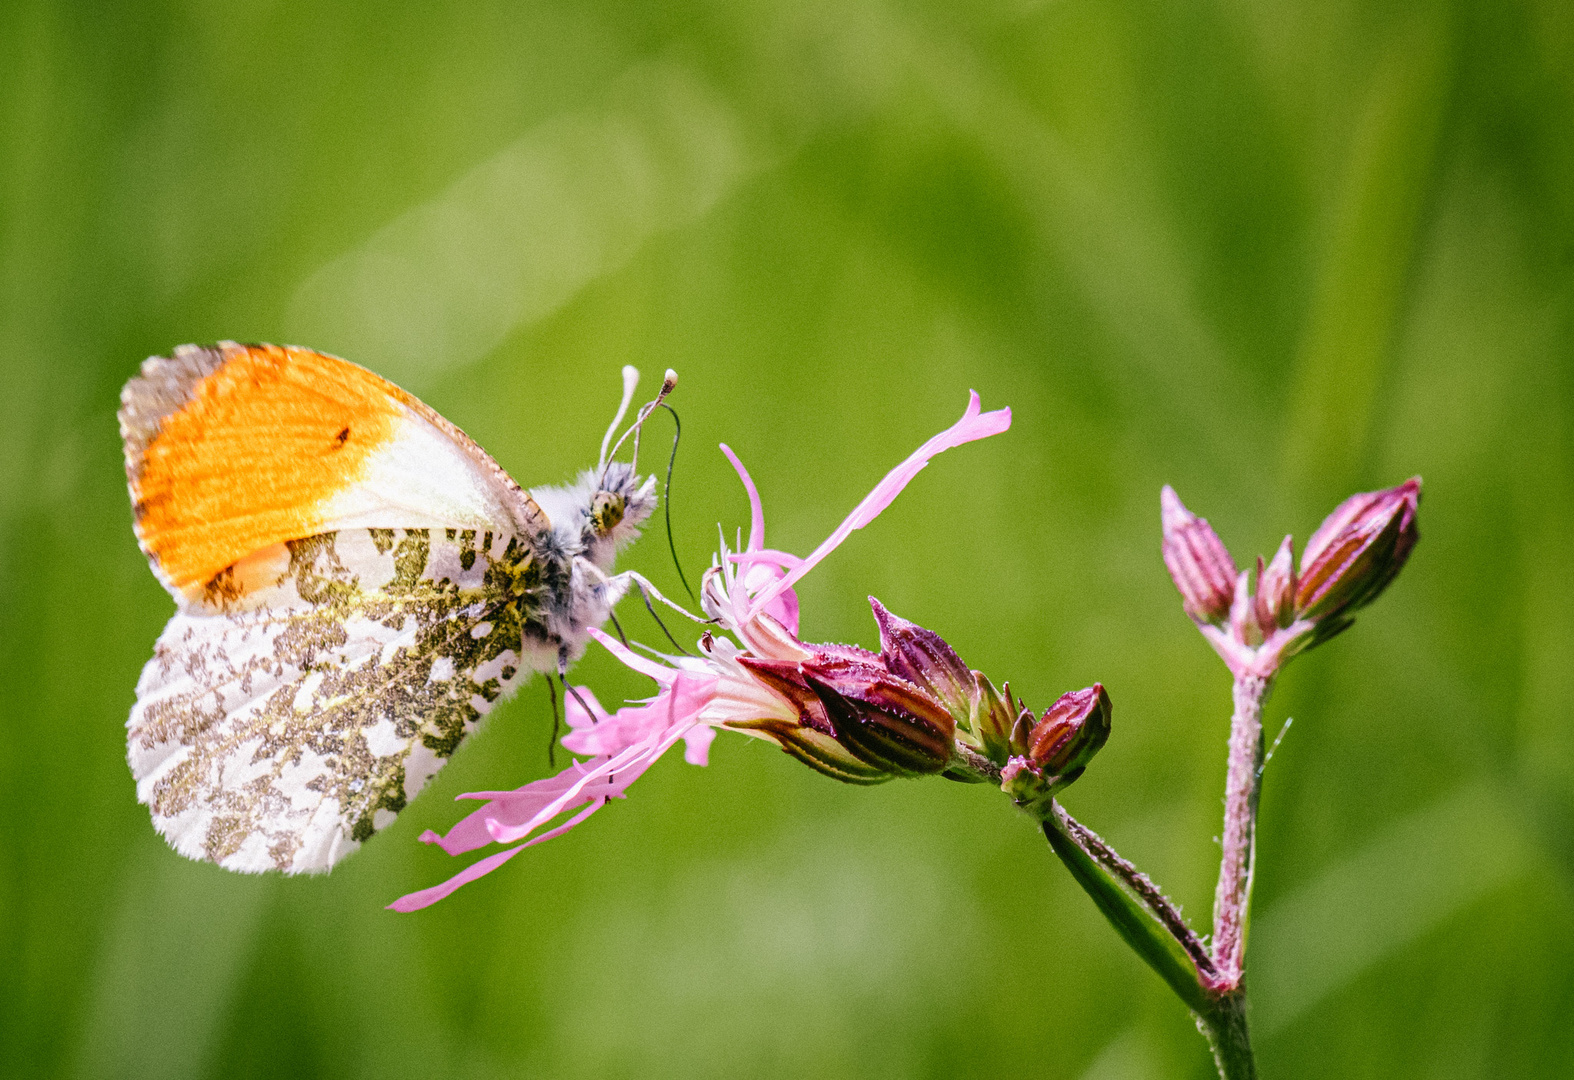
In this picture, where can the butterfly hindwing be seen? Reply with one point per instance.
(281, 731)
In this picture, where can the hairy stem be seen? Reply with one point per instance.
(1140, 884)
(1224, 1027)
(1242, 785)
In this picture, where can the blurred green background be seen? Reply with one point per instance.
(1269, 252)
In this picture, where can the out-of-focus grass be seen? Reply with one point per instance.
(1269, 253)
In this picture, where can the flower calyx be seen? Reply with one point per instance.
(983, 716)
(857, 721)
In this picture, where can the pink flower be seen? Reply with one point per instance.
(840, 709)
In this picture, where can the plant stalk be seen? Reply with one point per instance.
(1224, 1026)
(1242, 785)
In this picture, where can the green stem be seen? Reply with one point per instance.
(1224, 1026)
(1155, 930)
(1133, 905)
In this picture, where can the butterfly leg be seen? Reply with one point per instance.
(618, 585)
(647, 591)
(562, 677)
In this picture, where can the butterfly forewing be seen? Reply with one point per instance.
(233, 449)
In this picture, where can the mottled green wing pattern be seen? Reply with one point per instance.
(323, 684)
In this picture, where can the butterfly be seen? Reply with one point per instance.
(357, 585)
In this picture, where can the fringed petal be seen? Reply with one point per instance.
(973, 425)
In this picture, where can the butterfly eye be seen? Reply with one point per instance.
(606, 510)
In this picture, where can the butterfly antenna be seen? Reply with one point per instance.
(630, 381)
(668, 384)
(677, 433)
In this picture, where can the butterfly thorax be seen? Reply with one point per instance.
(591, 521)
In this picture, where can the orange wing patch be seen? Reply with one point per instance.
(263, 438)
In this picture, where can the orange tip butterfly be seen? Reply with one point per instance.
(357, 583)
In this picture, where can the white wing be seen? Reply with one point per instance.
(278, 732)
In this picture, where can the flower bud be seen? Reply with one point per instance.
(812, 740)
(1198, 562)
(1060, 745)
(824, 754)
(1243, 613)
(885, 721)
(884, 724)
(992, 719)
(786, 678)
(1357, 551)
(1276, 590)
(1072, 731)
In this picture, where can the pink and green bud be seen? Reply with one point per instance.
(1072, 730)
(1058, 748)
(923, 658)
(1243, 612)
(1197, 559)
(992, 721)
(983, 718)
(884, 720)
(1357, 551)
(811, 739)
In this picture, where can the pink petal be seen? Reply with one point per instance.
(504, 824)
(973, 425)
(756, 515)
(427, 897)
(660, 672)
(762, 569)
(626, 727)
(471, 831)
(696, 744)
(783, 607)
(574, 708)
(766, 555)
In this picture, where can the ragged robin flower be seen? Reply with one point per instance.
(853, 714)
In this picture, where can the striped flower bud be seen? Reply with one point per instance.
(923, 658)
(884, 720)
(1057, 749)
(1197, 559)
(1357, 551)
(1275, 600)
(880, 724)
